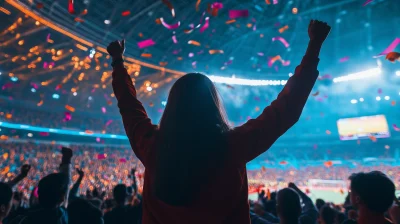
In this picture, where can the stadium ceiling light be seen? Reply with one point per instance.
(398, 73)
(387, 97)
(378, 98)
(361, 99)
(359, 75)
(246, 82)
(353, 101)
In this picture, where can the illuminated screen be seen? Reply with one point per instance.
(363, 127)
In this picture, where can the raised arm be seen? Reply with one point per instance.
(23, 173)
(309, 209)
(257, 135)
(137, 124)
(73, 194)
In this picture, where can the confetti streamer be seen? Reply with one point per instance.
(205, 26)
(282, 40)
(197, 5)
(315, 94)
(390, 48)
(146, 43)
(146, 55)
(108, 122)
(48, 37)
(344, 59)
(233, 14)
(216, 51)
(126, 13)
(367, 2)
(192, 42)
(174, 39)
(170, 6)
(272, 60)
(230, 21)
(71, 7)
(283, 29)
(215, 7)
(393, 56)
(68, 107)
(168, 26)
(395, 127)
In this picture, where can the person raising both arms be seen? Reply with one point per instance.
(195, 162)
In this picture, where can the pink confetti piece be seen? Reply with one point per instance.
(260, 54)
(395, 127)
(48, 37)
(390, 48)
(217, 5)
(122, 160)
(45, 65)
(6, 86)
(205, 26)
(344, 59)
(168, 26)
(44, 134)
(174, 39)
(194, 64)
(275, 2)
(277, 24)
(191, 55)
(285, 63)
(97, 139)
(254, 27)
(67, 116)
(103, 109)
(35, 86)
(101, 156)
(176, 51)
(146, 43)
(233, 14)
(108, 122)
(282, 40)
(160, 110)
(200, 52)
(367, 2)
(379, 91)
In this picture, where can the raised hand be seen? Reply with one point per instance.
(318, 31)
(80, 172)
(294, 186)
(116, 49)
(25, 170)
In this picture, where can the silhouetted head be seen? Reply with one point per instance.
(327, 214)
(120, 193)
(288, 205)
(81, 211)
(191, 132)
(373, 191)
(6, 195)
(53, 190)
(319, 203)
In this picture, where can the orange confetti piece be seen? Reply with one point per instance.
(249, 25)
(197, 5)
(230, 21)
(268, 2)
(4, 137)
(283, 162)
(109, 102)
(5, 170)
(315, 94)
(8, 116)
(180, 58)
(192, 42)
(373, 138)
(126, 13)
(40, 103)
(68, 107)
(5, 156)
(187, 31)
(141, 34)
(89, 132)
(393, 103)
(158, 21)
(79, 20)
(84, 12)
(281, 30)
(162, 63)
(146, 55)
(216, 51)
(328, 164)
(151, 104)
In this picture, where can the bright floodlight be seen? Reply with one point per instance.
(359, 75)
(353, 101)
(387, 97)
(398, 73)
(378, 98)
(246, 82)
(149, 88)
(361, 99)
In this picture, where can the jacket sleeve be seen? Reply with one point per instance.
(257, 135)
(137, 124)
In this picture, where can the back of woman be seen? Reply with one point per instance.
(195, 163)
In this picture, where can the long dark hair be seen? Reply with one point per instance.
(191, 140)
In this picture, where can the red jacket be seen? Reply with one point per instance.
(226, 199)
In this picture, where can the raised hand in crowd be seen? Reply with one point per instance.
(23, 173)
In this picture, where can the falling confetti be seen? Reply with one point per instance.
(390, 48)
(170, 6)
(126, 13)
(395, 127)
(216, 51)
(230, 21)
(192, 42)
(283, 162)
(233, 14)
(268, 2)
(344, 59)
(373, 138)
(282, 40)
(146, 43)
(103, 109)
(328, 164)
(393, 56)
(205, 26)
(367, 2)
(40, 103)
(79, 20)
(84, 12)
(174, 39)
(71, 7)
(68, 107)
(197, 5)
(168, 26)
(146, 55)
(283, 29)
(328, 132)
